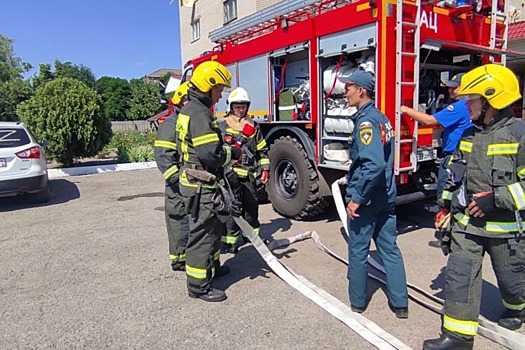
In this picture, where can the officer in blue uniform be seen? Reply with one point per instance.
(371, 196)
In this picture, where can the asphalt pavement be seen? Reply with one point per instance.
(90, 270)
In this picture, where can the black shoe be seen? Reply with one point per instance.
(512, 319)
(246, 239)
(449, 341)
(222, 271)
(210, 295)
(435, 244)
(359, 310)
(178, 266)
(401, 312)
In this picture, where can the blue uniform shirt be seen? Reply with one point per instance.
(455, 118)
(371, 174)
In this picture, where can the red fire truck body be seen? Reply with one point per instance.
(289, 62)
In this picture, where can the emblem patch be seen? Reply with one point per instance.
(366, 136)
(365, 125)
(450, 108)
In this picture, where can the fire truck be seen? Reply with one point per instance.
(288, 57)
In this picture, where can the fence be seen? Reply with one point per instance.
(132, 125)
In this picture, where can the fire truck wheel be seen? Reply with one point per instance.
(293, 186)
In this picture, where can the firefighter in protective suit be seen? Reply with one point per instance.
(204, 156)
(485, 194)
(168, 162)
(254, 160)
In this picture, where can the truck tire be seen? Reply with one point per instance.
(293, 187)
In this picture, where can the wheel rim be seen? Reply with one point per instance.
(286, 179)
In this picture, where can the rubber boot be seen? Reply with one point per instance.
(178, 266)
(221, 270)
(210, 295)
(231, 248)
(512, 319)
(449, 341)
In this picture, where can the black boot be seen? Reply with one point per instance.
(512, 319)
(231, 248)
(449, 341)
(178, 266)
(210, 295)
(221, 270)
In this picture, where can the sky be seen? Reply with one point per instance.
(116, 38)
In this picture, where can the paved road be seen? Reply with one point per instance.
(90, 270)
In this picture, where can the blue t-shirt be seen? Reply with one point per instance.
(455, 118)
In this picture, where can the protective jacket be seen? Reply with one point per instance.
(489, 160)
(166, 154)
(256, 156)
(371, 147)
(199, 141)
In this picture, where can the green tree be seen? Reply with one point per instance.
(145, 99)
(70, 115)
(12, 93)
(79, 72)
(11, 66)
(45, 75)
(116, 93)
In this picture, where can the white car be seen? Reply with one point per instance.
(23, 168)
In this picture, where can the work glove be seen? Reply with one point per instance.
(235, 208)
(264, 176)
(482, 204)
(236, 153)
(440, 218)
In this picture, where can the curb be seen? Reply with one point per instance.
(98, 169)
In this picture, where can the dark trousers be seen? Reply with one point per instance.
(377, 221)
(250, 212)
(204, 241)
(463, 279)
(176, 222)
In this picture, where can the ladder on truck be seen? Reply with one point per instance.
(499, 41)
(264, 19)
(403, 59)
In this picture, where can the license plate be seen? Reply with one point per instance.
(426, 154)
(3, 163)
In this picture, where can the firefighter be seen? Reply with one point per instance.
(371, 196)
(168, 162)
(485, 194)
(254, 161)
(204, 156)
(455, 118)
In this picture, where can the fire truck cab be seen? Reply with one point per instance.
(288, 57)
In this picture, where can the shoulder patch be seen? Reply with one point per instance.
(365, 135)
(365, 125)
(450, 108)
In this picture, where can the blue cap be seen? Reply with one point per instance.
(361, 78)
(455, 81)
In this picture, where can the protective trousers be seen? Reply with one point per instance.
(250, 212)
(463, 279)
(176, 222)
(442, 175)
(204, 241)
(376, 221)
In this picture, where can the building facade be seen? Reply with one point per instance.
(205, 16)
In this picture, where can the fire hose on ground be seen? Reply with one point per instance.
(364, 327)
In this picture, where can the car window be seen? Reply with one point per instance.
(13, 137)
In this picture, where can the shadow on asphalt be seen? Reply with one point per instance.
(61, 191)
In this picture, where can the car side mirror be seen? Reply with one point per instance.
(44, 143)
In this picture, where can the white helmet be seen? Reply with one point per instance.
(238, 96)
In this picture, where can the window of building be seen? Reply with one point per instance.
(230, 10)
(196, 29)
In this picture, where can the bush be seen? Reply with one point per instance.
(70, 116)
(141, 154)
(133, 146)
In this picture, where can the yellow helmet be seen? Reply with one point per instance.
(179, 94)
(497, 84)
(209, 74)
